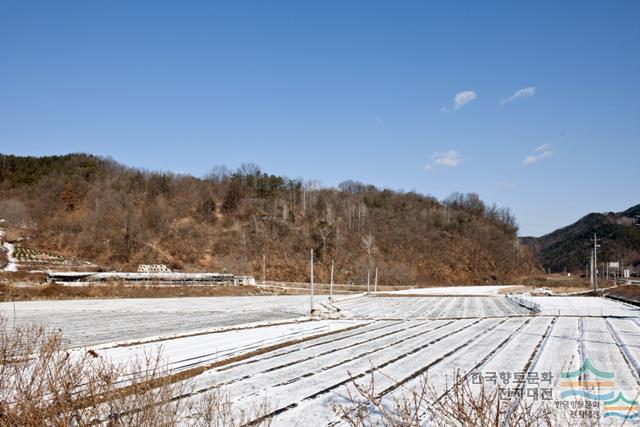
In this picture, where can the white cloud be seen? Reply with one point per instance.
(540, 153)
(449, 159)
(461, 99)
(527, 92)
(542, 148)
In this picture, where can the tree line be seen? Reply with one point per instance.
(96, 209)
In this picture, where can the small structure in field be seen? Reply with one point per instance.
(153, 268)
(159, 278)
(244, 280)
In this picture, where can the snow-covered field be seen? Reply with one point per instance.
(95, 321)
(302, 381)
(303, 366)
(456, 290)
(584, 306)
(186, 351)
(430, 307)
(124, 319)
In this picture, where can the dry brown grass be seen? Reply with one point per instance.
(3, 257)
(41, 384)
(22, 277)
(27, 291)
(627, 292)
(12, 234)
(557, 283)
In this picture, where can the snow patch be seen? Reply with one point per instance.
(9, 247)
(583, 306)
(454, 290)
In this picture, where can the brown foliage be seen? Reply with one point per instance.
(122, 217)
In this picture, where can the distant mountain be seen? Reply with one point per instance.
(569, 247)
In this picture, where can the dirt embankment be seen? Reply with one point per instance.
(556, 283)
(16, 288)
(625, 292)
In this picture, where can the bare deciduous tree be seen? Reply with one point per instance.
(14, 212)
(368, 243)
(119, 216)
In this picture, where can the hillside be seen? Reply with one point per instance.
(97, 210)
(570, 246)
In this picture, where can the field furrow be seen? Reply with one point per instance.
(323, 378)
(394, 379)
(604, 353)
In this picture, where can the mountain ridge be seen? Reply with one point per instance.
(95, 209)
(570, 246)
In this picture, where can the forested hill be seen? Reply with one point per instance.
(118, 217)
(619, 235)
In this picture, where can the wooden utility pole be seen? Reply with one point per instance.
(595, 260)
(331, 283)
(311, 301)
(368, 244)
(591, 271)
(375, 282)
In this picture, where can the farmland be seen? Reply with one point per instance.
(96, 321)
(265, 348)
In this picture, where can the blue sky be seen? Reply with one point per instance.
(337, 90)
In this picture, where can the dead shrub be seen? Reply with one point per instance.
(460, 404)
(42, 384)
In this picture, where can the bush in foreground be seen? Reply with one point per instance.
(41, 384)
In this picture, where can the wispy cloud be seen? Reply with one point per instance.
(543, 147)
(450, 159)
(461, 99)
(540, 153)
(526, 92)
